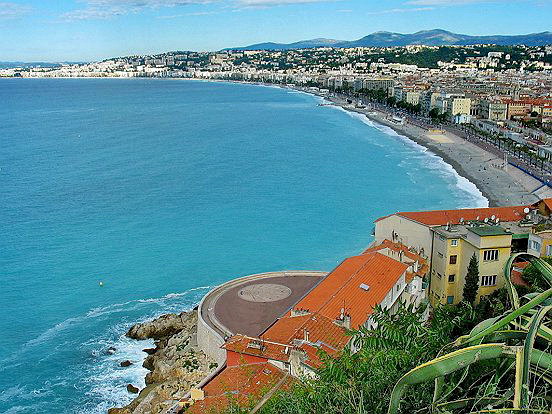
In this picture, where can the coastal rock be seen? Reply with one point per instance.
(111, 350)
(148, 362)
(150, 351)
(126, 363)
(175, 364)
(164, 326)
(132, 389)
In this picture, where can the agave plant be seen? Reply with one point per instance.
(512, 352)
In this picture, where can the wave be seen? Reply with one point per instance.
(105, 382)
(162, 303)
(434, 161)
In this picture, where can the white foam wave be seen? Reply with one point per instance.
(435, 162)
(165, 304)
(106, 380)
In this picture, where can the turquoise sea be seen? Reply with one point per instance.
(162, 189)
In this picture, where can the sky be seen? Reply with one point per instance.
(89, 30)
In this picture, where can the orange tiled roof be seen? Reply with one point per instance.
(399, 247)
(442, 217)
(270, 350)
(548, 203)
(241, 384)
(321, 331)
(341, 288)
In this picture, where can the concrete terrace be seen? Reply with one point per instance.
(249, 305)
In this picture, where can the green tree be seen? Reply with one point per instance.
(471, 285)
(434, 113)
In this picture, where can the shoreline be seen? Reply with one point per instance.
(501, 187)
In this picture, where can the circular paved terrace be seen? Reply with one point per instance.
(251, 304)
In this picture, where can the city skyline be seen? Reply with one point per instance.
(88, 30)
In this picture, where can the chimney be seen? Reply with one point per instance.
(347, 321)
(306, 335)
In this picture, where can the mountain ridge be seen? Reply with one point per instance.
(434, 37)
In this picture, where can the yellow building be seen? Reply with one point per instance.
(453, 247)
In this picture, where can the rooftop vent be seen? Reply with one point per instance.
(364, 286)
(255, 345)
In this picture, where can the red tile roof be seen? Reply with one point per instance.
(242, 385)
(410, 255)
(320, 330)
(269, 350)
(442, 217)
(341, 288)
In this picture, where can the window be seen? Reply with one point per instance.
(488, 280)
(490, 255)
(549, 250)
(454, 242)
(451, 278)
(450, 300)
(452, 259)
(439, 275)
(440, 254)
(535, 245)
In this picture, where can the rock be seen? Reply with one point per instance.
(175, 364)
(111, 350)
(126, 363)
(164, 326)
(132, 389)
(118, 411)
(149, 363)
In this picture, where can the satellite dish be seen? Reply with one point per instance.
(486, 220)
(493, 217)
(526, 210)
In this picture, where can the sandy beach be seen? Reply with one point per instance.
(501, 186)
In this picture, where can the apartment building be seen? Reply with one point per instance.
(493, 110)
(453, 247)
(449, 238)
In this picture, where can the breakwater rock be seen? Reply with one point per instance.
(175, 364)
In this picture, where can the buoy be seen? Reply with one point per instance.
(101, 283)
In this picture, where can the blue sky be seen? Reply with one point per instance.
(56, 30)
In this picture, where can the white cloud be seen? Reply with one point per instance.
(105, 9)
(402, 10)
(269, 3)
(9, 10)
(452, 2)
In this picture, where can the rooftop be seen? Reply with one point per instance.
(442, 217)
(484, 231)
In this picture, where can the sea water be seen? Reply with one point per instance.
(121, 200)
